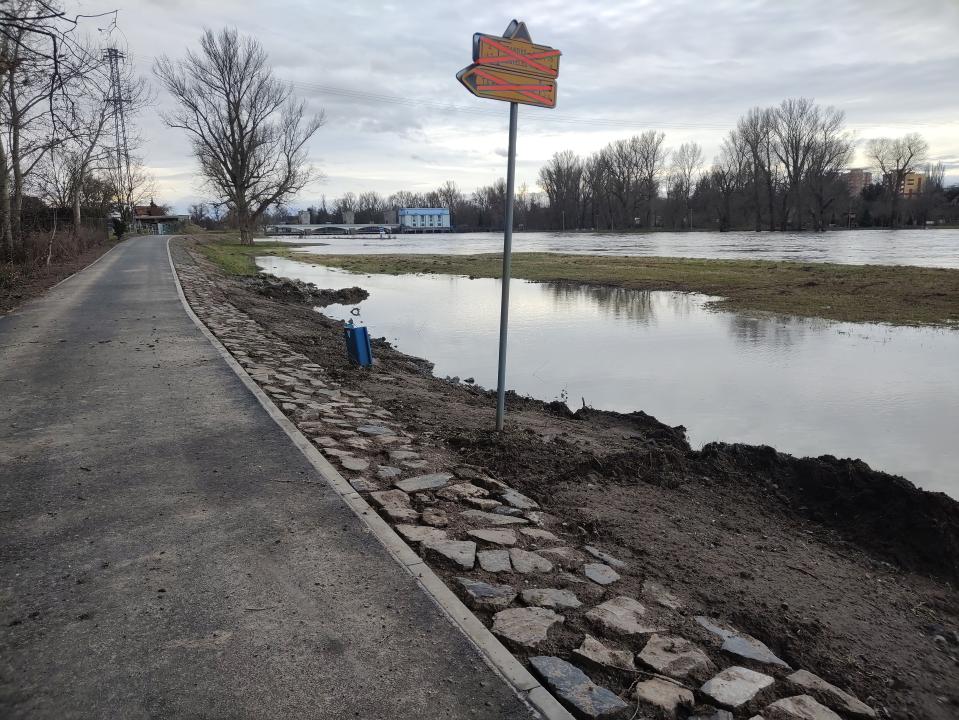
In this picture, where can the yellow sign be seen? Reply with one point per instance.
(515, 54)
(498, 84)
(513, 69)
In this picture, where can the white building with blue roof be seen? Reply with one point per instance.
(424, 220)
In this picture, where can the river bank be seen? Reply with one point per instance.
(898, 295)
(836, 567)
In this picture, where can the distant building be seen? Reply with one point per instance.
(856, 179)
(349, 217)
(154, 219)
(390, 217)
(912, 184)
(304, 216)
(424, 219)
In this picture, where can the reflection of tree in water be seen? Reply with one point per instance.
(640, 306)
(779, 331)
(636, 305)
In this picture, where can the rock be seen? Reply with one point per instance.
(525, 627)
(676, 657)
(395, 504)
(463, 490)
(483, 595)
(486, 518)
(575, 690)
(830, 695)
(741, 644)
(363, 485)
(482, 503)
(798, 707)
(600, 574)
(436, 518)
(374, 430)
(325, 441)
(735, 686)
(403, 455)
(497, 537)
(387, 472)
(604, 556)
(660, 595)
(420, 533)
(592, 650)
(621, 615)
(415, 464)
(664, 695)
(423, 482)
(518, 500)
(507, 510)
(550, 598)
(537, 534)
(718, 715)
(565, 557)
(354, 463)
(540, 518)
(526, 562)
(494, 560)
(459, 552)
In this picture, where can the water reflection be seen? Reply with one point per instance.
(885, 394)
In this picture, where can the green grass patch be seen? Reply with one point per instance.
(900, 295)
(236, 259)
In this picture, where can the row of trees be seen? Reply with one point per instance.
(781, 168)
(58, 150)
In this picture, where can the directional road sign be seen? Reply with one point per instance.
(515, 54)
(499, 84)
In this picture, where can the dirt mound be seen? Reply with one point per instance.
(884, 513)
(277, 288)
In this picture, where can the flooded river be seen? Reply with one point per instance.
(888, 395)
(931, 248)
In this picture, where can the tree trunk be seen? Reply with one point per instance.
(245, 223)
(6, 231)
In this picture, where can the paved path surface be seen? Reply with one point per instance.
(165, 551)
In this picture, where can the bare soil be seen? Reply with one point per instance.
(20, 283)
(840, 569)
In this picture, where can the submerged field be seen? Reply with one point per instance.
(901, 295)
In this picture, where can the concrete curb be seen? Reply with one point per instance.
(492, 650)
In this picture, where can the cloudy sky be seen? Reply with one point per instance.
(398, 119)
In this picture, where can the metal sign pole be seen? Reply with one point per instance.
(507, 257)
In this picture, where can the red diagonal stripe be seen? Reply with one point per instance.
(522, 58)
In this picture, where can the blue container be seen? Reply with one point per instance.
(358, 345)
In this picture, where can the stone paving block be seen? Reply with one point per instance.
(374, 429)
(527, 562)
(480, 516)
(830, 695)
(354, 463)
(485, 595)
(496, 537)
(420, 533)
(436, 518)
(565, 557)
(457, 552)
(395, 504)
(540, 535)
(799, 707)
(364, 485)
(664, 696)
(622, 616)
(494, 560)
(387, 472)
(593, 651)
(741, 644)
(575, 690)
(604, 556)
(555, 599)
(518, 500)
(600, 574)
(676, 657)
(735, 686)
(526, 627)
(423, 482)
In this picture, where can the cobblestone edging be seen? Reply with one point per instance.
(514, 565)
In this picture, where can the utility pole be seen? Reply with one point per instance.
(124, 178)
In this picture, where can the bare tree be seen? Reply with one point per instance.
(894, 158)
(756, 131)
(686, 161)
(561, 179)
(248, 133)
(830, 154)
(728, 174)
